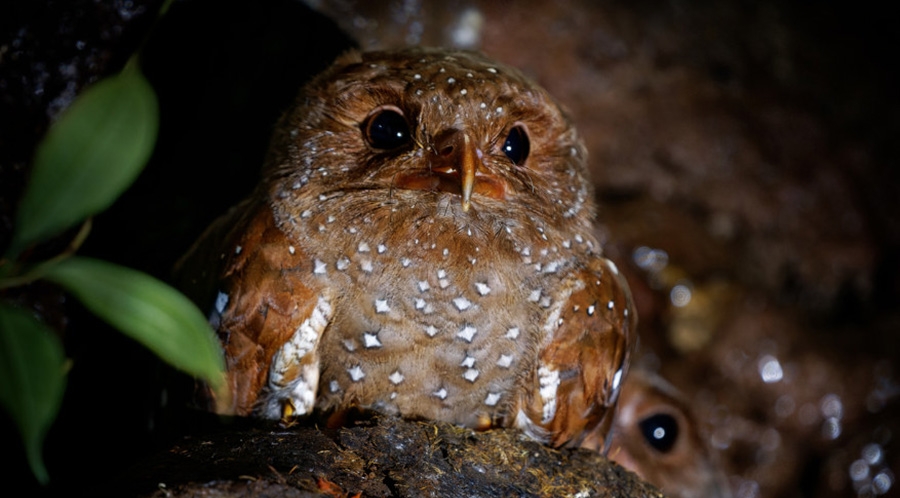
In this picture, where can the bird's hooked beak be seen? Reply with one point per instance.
(456, 157)
(455, 165)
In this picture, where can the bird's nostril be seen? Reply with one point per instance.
(446, 151)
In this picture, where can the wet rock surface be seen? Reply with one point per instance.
(375, 457)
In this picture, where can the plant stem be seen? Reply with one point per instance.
(37, 271)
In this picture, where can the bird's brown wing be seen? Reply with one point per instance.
(248, 274)
(581, 368)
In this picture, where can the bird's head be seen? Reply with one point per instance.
(426, 125)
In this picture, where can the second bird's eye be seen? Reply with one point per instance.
(661, 431)
(517, 145)
(386, 129)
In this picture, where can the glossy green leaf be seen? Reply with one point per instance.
(32, 379)
(147, 310)
(88, 157)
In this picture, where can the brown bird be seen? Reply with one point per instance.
(420, 245)
(656, 435)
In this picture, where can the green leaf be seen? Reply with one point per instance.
(32, 379)
(147, 310)
(88, 157)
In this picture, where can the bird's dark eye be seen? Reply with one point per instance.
(386, 129)
(517, 145)
(661, 431)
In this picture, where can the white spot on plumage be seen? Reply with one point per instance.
(356, 373)
(405, 262)
(512, 333)
(382, 306)
(291, 250)
(590, 310)
(467, 333)
(366, 266)
(549, 381)
(545, 302)
(371, 341)
(342, 264)
(301, 388)
(431, 330)
(551, 267)
(382, 248)
(238, 249)
(440, 393)
(333, 386)
(221, 302)
(396, 377)
(535, 295)
(470, 375)
(468, 361)
(349, 345)
(462, 303)
(319, 267)
(492, 399)
(610, 305)
(613, 267)
(362, 247)
(617, 379)
(482, 288)
(505, 361)
(423, 285)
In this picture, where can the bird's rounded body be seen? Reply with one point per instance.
(420, 245)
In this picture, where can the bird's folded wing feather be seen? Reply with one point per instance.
(246, 266)
(581, 368)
